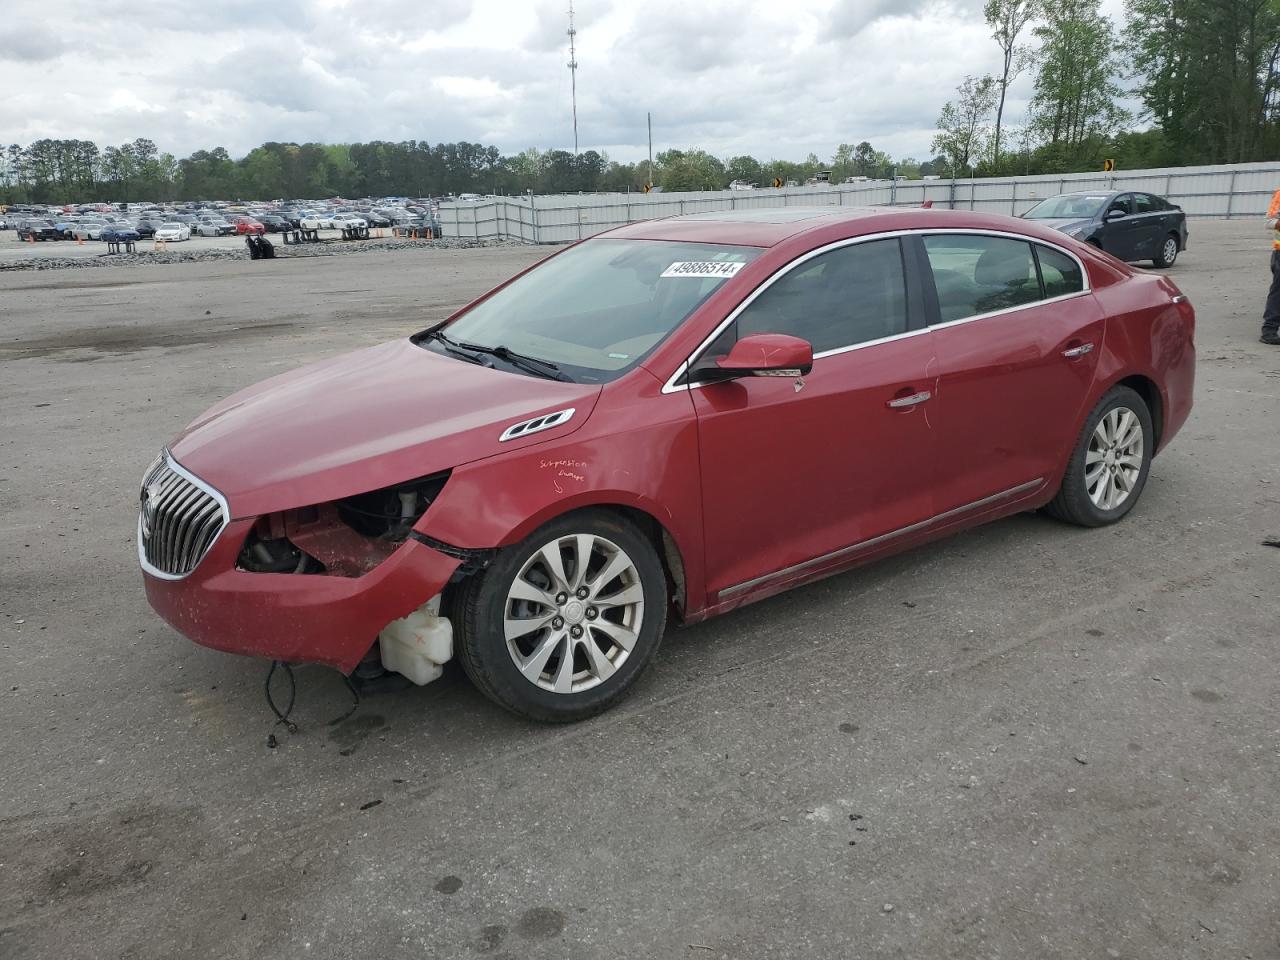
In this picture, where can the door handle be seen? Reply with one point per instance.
(1078, 351)
(898, 403)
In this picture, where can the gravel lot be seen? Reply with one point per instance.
(1028, 741)
(61, 255)
(11, 248)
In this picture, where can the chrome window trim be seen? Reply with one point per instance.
(883, 538)
(670, 386)
(1001, 313)
(190, 477)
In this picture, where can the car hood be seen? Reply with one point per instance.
(365, 420)
(1064, 224)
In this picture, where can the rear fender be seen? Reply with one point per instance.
(1149, 335)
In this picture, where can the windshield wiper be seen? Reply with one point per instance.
(457, 349)
(534, 365)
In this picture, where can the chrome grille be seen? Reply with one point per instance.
(179, 517)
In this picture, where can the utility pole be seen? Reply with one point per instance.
(573, 75)
(649, 119)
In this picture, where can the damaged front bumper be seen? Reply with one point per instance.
(332, 620)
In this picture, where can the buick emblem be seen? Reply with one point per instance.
(150, 507)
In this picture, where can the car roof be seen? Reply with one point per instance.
(770, 226)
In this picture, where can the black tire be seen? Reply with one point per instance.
(478, 613)
(1073, 504)
(1168, 252)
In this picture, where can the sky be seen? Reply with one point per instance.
(774, 79)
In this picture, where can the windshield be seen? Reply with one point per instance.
(171, 226)
(1069, 206)
(597, 309)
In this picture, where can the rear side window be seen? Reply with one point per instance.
(978, 274)
(1061, 274)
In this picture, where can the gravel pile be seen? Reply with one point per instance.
(324, 248)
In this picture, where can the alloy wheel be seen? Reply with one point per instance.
(1170, 250)
(1114, 459)
(573, 613)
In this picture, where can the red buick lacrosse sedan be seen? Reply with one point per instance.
(669, 420)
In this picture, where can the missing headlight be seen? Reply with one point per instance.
(390, 513)
(345, 538)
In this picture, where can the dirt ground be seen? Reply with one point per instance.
(1028, 741)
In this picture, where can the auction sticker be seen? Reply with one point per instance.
(719, 269)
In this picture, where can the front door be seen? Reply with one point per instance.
(795, 469)
(1122, 237)
(1018, 339)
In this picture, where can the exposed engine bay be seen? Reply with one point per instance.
(342, 538)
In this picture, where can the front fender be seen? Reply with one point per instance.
(643, 457)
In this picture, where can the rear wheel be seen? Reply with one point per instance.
(559, 626)
(1110, 462)
(1168, 252)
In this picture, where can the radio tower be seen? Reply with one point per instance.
(573, 76)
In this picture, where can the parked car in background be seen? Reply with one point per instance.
(629, 413)
(146, 227)
(247, 226)
(173, 230)
(348, 221)
(65, 228)
(1129, 225)
(119, 233)
(89, 229)
(36, 230)
(209, 227)
(316, 220)
(275, 223)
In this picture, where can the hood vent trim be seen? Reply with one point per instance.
(536, 424)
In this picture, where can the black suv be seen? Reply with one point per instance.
(37, 230)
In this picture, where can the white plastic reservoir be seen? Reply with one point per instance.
(418, 645)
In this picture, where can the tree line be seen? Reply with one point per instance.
(1205, 72)
(60, 171)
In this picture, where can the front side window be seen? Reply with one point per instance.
(1119, 205)
(841, 298)
(977, 274)
(1145, 203)
(597, 309)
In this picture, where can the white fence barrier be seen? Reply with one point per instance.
(1224, 191)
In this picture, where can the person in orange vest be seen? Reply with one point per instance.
(1271, 313)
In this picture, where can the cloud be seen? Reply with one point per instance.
(27, 41)
(769, 80)
(851, 17)
(551, 23)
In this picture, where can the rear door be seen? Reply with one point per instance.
(1017, 338)
(795, 469)
(1151, 216)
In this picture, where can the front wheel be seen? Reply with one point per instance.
(560, 626)
(1168, 252)
(1110, 462)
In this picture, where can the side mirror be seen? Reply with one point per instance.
(763, 355)
(1114, 214)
